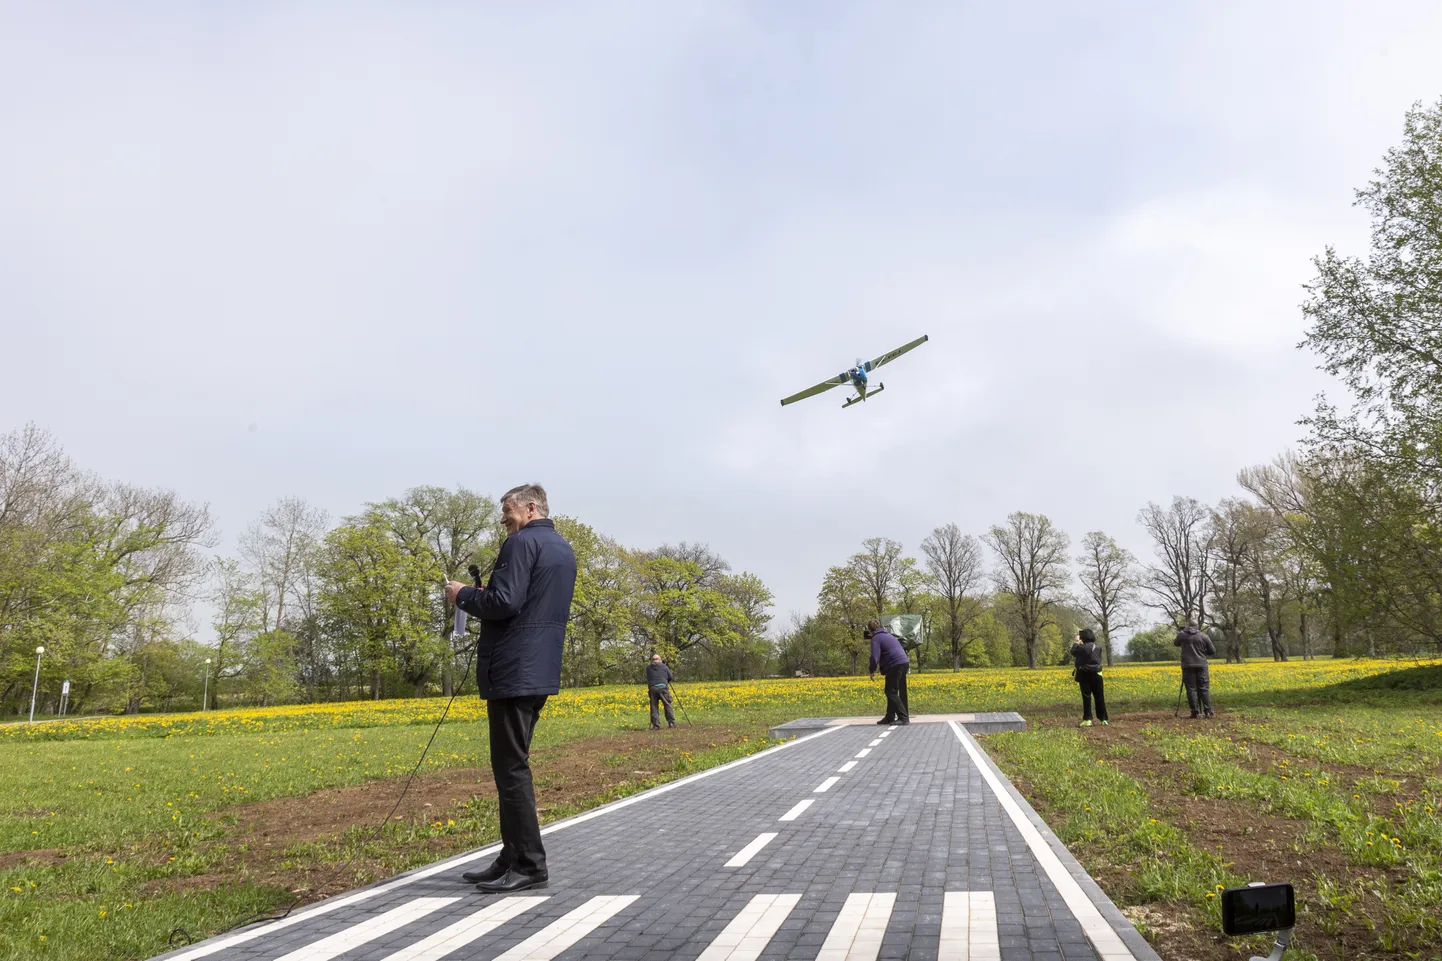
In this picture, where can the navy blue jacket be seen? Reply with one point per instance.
(886, 652)
(523, 612)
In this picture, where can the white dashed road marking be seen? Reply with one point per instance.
(449, 940)
(749, 851)
(565, 931)
(863, 752)
(825, 785)
(846, 767)
(874, 743)
(795, 812)
(857, 932)
(368, 930)
(750, 931)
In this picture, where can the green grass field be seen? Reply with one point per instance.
(116, 832)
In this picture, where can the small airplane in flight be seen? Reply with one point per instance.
(856, 376)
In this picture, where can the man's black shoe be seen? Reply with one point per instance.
(1195, 715)
(905, 722)
(886, 720)
(489, 874)
(511, 882)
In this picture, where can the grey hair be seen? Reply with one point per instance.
(529, 494)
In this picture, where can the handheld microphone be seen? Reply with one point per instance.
(458, 628)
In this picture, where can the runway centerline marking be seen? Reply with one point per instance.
(750, 931)
(749, 851)
(1103, 937)
(796, 811)
(825, 785)
(368, 930)
(449, 940)
(846, 767)
(856, 933)
(565, 931)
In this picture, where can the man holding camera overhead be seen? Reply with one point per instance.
(523, 612)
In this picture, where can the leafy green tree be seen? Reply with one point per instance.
(602, 615)
(955, 563)
(1154, 644)
(676, 610)
(846, 603)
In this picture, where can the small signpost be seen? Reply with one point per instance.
(64, 697)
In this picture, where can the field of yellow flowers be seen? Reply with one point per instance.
(115, 831)
(764, 701)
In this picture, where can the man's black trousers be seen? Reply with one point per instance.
(1091, 687)
(897, 707)
(661, 695)
(1199, 688)
(513, 721)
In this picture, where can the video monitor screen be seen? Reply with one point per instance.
(1254, 910)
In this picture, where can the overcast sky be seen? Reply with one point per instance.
(334, 251)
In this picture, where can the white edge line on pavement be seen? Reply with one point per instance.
(221, 942)
(1098, 930)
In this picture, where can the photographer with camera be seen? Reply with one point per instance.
(658, 683)
(523, 613)
(888, 654)
(1196, 648)
(1088, 674)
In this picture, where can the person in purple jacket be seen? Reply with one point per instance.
(888, 654)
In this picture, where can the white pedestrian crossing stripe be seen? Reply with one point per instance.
(565, 931)
(368, 930)
(857, 931)
(750, 931)
(968, 927)
(449, 940)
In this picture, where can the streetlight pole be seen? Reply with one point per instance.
(34, 689)
(205, 698)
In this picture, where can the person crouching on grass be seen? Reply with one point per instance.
(1088, 674)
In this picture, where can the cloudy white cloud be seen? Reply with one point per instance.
(595, 245)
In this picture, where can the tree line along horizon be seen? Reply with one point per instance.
(1332, 550)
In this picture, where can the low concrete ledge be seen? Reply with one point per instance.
(990, 722)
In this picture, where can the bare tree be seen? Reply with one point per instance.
(954, 561)
(1108, 577)
(1177, 583)
(1033, 571)
(1233, 538)
(878, 564)
(274, 546)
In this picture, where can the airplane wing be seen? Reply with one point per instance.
(893, 354)
(825, 385)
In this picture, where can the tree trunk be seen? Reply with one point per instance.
(375, 684)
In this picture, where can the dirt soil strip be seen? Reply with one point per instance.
(567, 776)
(1256, 845)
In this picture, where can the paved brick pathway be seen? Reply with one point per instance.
(851, 844)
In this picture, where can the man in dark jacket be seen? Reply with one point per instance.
(523, 612)
(888, 654)
(658, 682)
(1196, 648)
